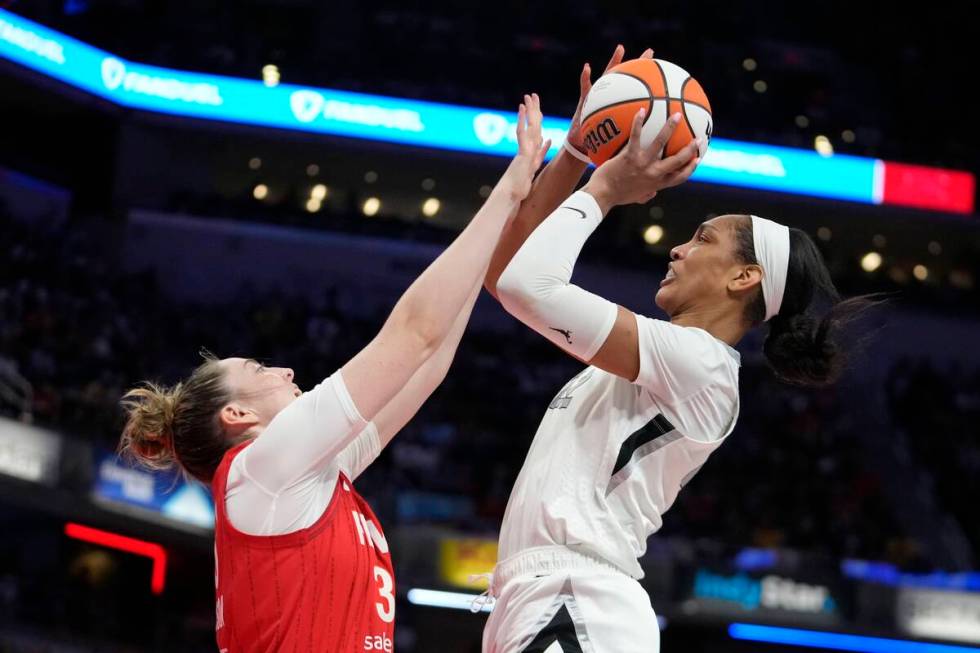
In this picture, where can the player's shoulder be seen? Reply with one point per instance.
(691, 340)
(677, 361)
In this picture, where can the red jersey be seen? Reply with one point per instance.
(326, 588)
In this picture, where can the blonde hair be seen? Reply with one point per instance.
(179, 425)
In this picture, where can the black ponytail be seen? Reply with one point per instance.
(803, 346)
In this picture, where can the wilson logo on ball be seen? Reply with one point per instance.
(660, 88)
(601, 134)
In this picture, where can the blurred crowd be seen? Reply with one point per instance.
(79, 331)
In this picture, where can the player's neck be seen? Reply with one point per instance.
(719, 323)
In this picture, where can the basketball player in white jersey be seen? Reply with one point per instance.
(622, 438)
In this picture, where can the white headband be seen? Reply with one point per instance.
(771, 241)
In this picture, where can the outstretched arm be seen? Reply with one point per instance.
(424, 316)
(390, 378)
(423, 383)
(391, 419)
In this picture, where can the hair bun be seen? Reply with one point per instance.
(148, 434)
(799, 350)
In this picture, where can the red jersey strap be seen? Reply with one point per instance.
(219, 488)
(219, 482)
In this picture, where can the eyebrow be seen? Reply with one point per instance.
(250, 360)
(705, 225)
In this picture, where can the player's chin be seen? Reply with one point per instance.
(664, 299)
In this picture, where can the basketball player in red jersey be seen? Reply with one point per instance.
(301, 562)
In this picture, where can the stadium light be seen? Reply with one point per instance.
(371, 206)
(871, 261)
(430, 207)
(653, 234)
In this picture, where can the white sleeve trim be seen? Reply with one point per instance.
(604, 330)
(373, 438)
(346, 401)
(360, 453)
(587, 201)
(574, 151)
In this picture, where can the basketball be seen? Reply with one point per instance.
(660, 87)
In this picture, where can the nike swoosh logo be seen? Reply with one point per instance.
(580, 212)
(567, 334)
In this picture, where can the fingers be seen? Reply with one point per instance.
(534, 116)
(660, 142)
(681, 158)
(535, 107)
(585, 82)
(542, 153)
(636, 129)
(585, 77)
(616, 58)
(686, 173)
(678, 178)
(529, 119)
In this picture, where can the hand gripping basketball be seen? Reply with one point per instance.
(638, 173)
(659, 86)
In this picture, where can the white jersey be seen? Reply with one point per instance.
(610, 456)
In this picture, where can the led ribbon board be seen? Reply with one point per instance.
(814, 639)
(450, 127)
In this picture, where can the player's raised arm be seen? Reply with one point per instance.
(554, 183)
(536, 287)
(426, 312)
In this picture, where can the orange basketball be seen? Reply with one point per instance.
(660, 87)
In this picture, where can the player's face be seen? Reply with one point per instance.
(699, 270)
(264, 390)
